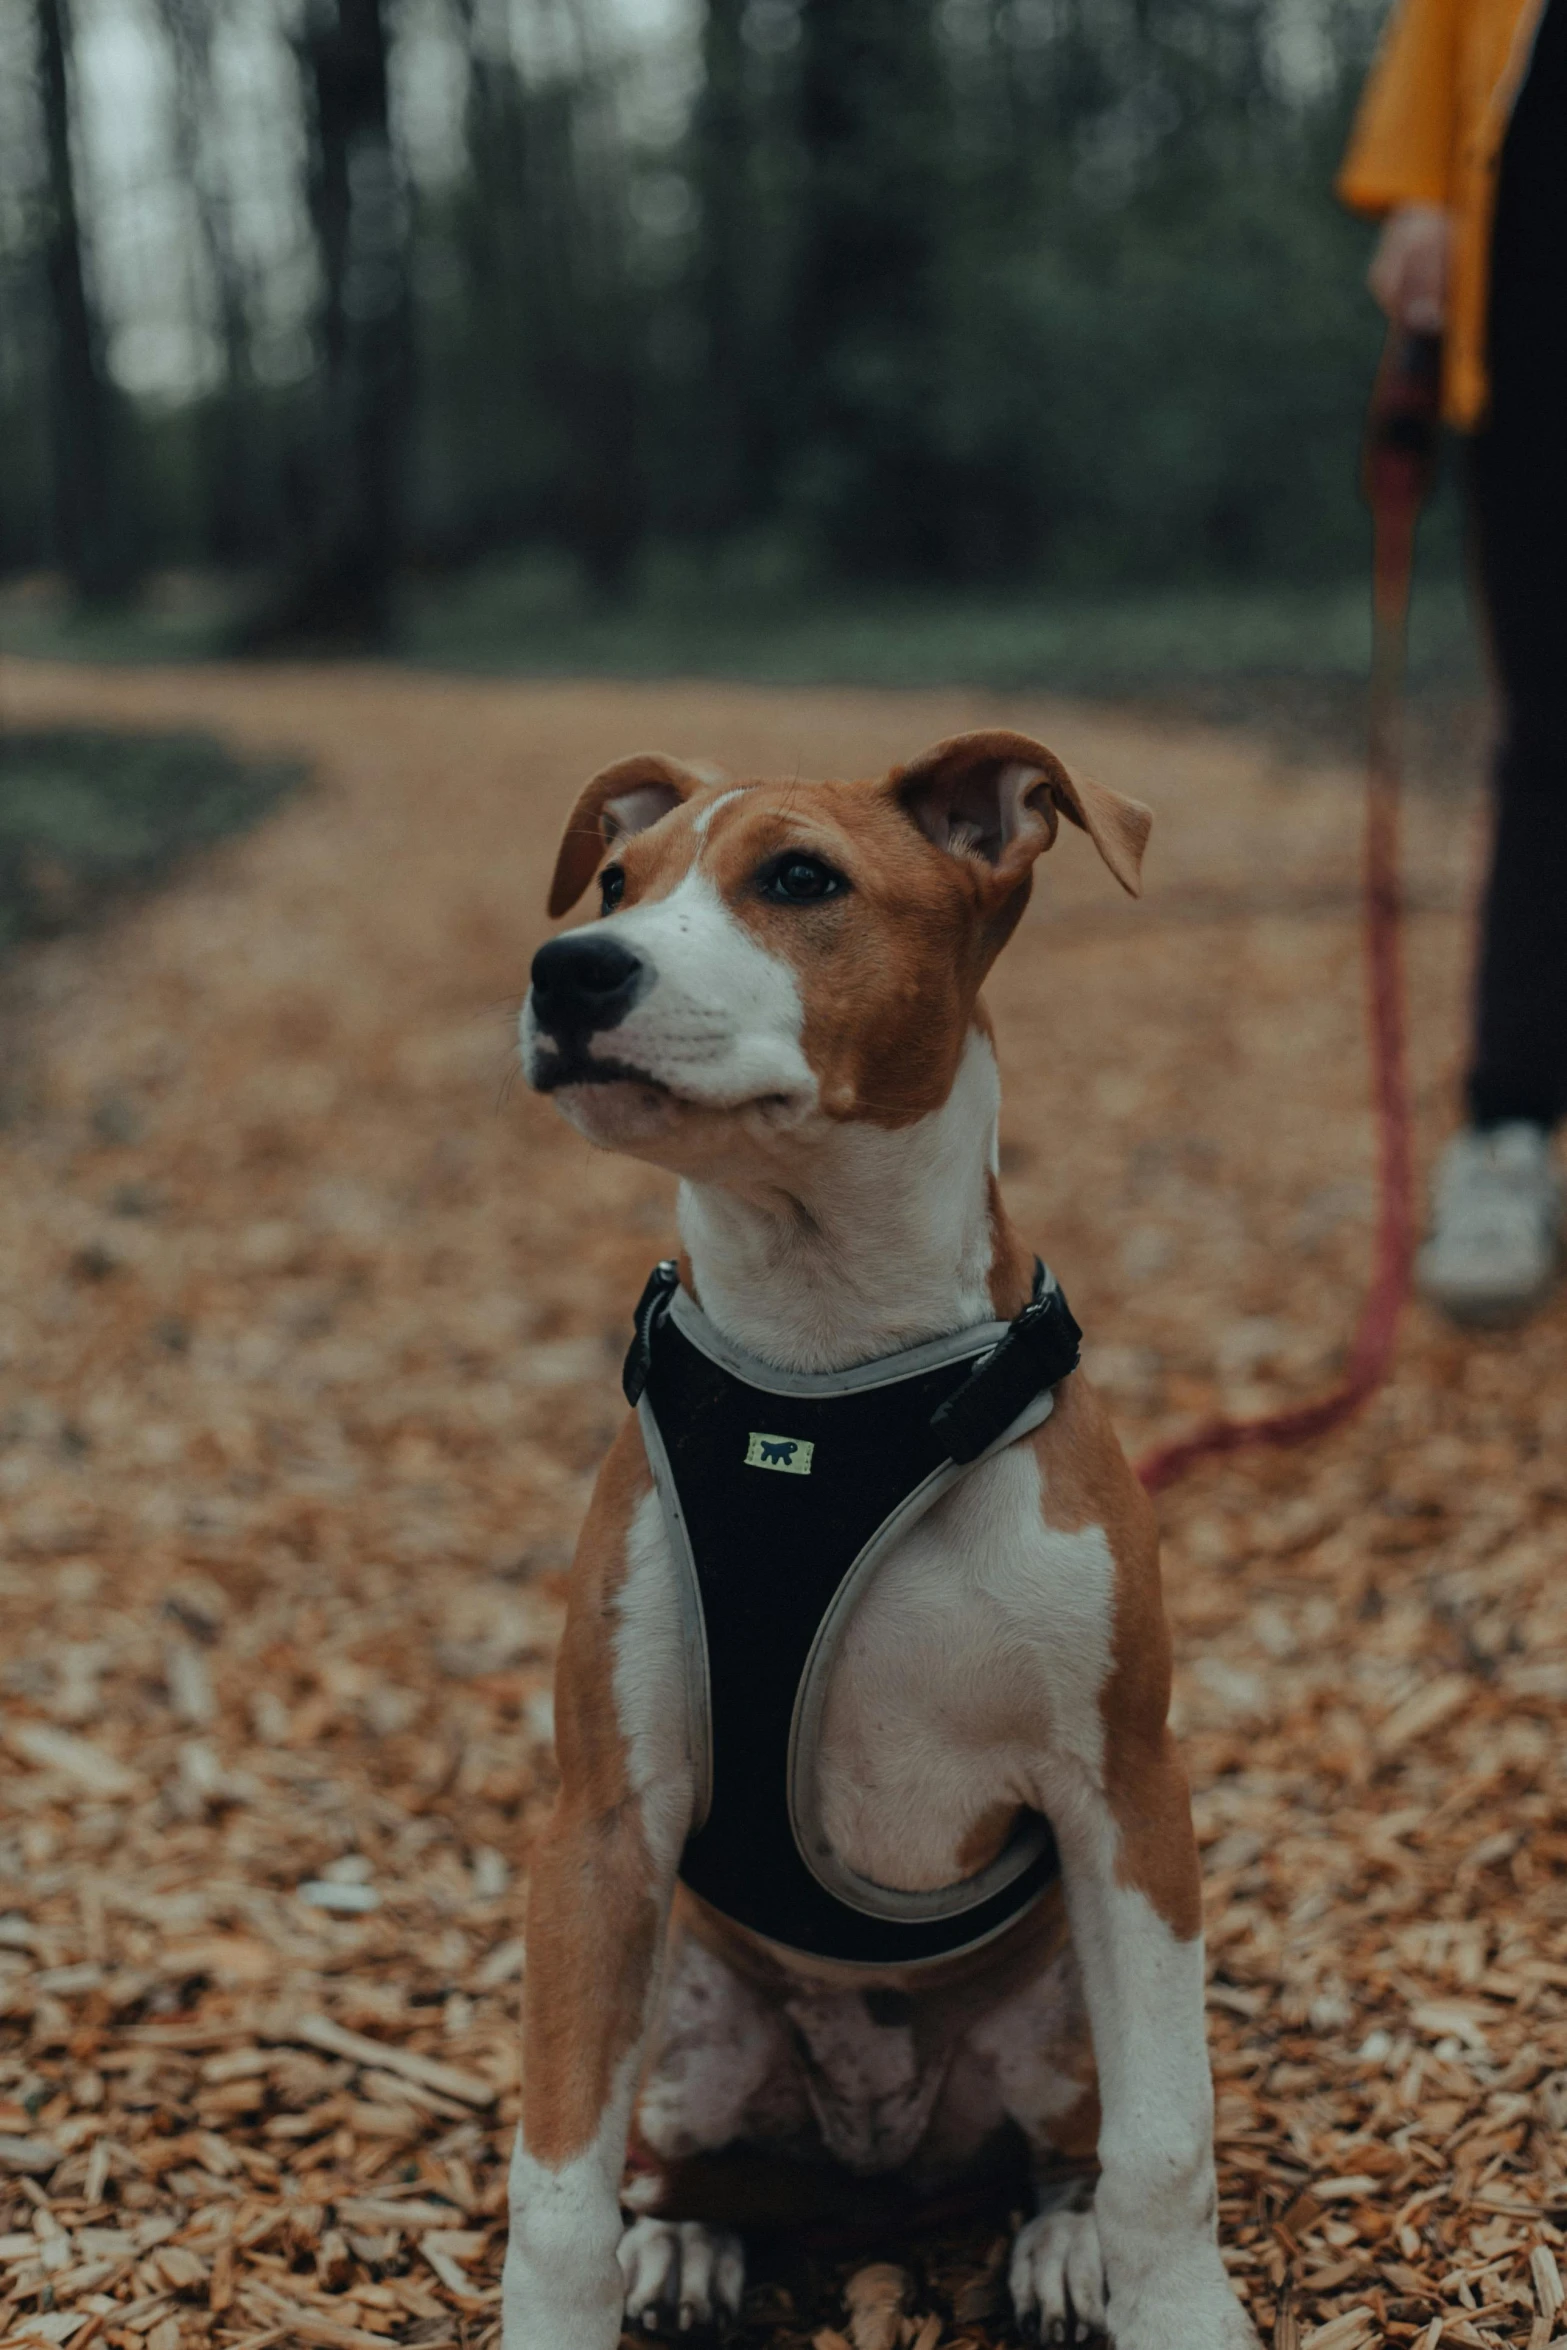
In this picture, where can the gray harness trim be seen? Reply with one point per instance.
(693, 1626)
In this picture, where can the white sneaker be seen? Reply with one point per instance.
(1496, 1218)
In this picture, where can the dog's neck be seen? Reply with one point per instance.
(882, 1239)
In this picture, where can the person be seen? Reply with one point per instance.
(1460, 148)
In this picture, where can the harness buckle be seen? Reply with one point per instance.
(651, 1307)
(1039, 1350)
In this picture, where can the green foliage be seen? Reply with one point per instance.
(85, 814)
(1171, 389)
(1134, 343)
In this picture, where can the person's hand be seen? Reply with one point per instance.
(1408, 273)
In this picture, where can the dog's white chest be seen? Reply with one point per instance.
(983, 1628)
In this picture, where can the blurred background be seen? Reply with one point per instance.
(1017, 341)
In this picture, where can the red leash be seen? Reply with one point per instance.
(1398, 463)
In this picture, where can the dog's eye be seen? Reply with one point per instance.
(799, 880)
(612, 888)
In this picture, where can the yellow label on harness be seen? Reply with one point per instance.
(790, 1453)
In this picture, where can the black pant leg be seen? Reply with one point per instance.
(1519, 485)
(1520, 1056)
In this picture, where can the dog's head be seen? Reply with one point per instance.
(769, 956)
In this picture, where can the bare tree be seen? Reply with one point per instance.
(190, 25)
(721, 136)
(87, 537)
(340, 588)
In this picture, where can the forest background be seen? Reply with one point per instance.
(497, 328)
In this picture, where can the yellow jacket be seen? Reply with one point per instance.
(1430, 131)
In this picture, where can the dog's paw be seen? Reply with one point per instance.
(1184, 2302)
(1058, 2276)
(681, 2274)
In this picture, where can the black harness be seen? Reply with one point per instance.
(781, 1493)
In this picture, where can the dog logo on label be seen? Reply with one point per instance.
(790, 1453)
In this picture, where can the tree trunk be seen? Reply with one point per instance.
(82, 407)
(341, 589)
(725, 261)
(226, 444)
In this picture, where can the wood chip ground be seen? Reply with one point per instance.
(309, 1325)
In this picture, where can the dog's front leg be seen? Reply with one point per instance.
(602, 1880)
(596, 1917)
(1134, 1898)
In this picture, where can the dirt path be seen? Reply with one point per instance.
(308, 1334)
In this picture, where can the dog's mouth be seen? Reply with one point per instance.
(558, 1069)
(563, 1071)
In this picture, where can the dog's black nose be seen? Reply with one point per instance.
(585, 981)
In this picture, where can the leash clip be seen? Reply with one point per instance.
(651, 1307)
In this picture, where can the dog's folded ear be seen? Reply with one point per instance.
(620, 800)
(996, 798)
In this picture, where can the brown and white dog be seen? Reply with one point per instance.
(785, 1012)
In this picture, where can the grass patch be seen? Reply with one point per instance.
(176, 616)
(729, 620)
(750, 613)
(1290, 659)
(86, 815)
(1291, 662)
